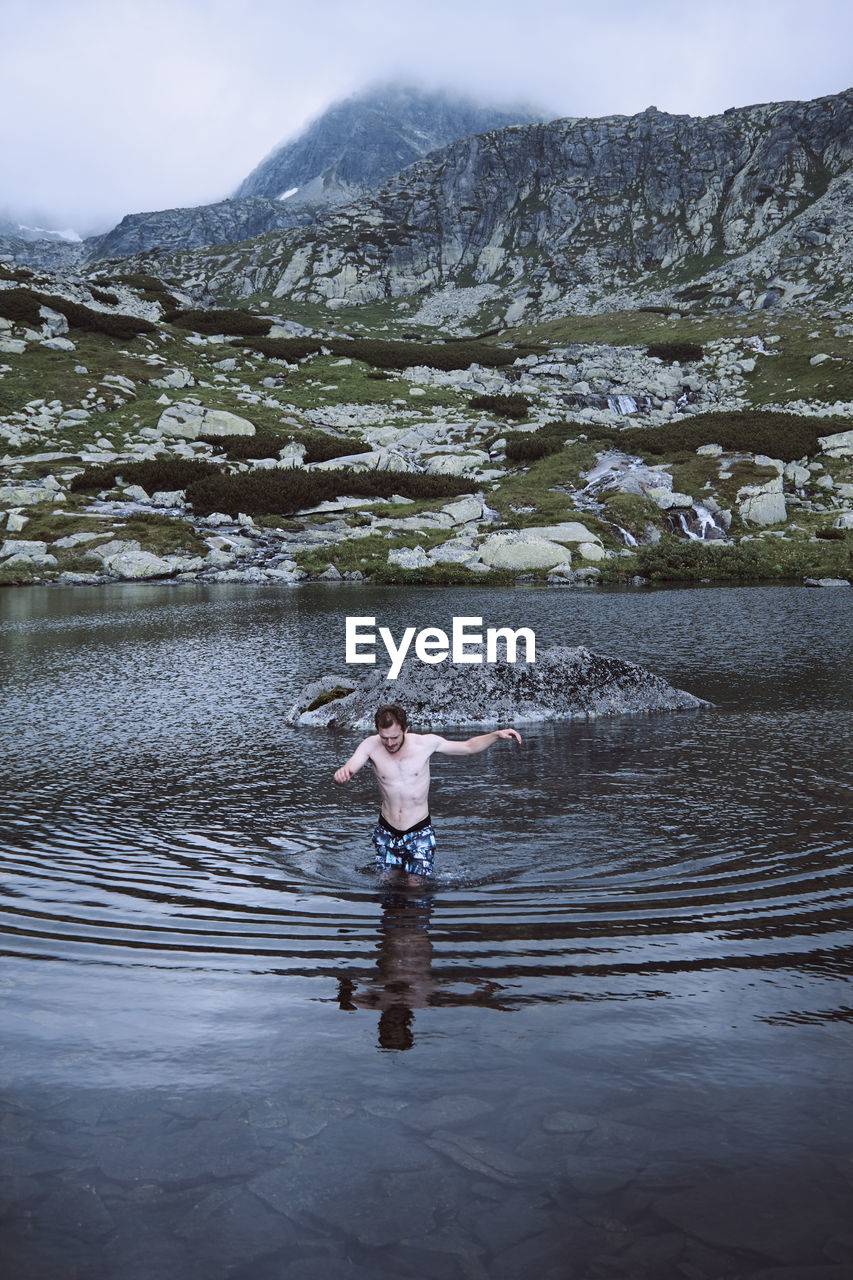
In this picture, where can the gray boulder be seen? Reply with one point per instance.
(456, 464)
(464, 510)
(566, 531)
(132, 565)
(25, 495)
(22, 547)
(189, 421)
(409, 558)
(379, 460)
(762, 503)
(31, 562)
(454, 551)
(519, 551)
(563, 684)
(839, 445)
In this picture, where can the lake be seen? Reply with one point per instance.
(611, 1039)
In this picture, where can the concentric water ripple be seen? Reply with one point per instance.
(159, 813)
(627, 989)
(614, 876)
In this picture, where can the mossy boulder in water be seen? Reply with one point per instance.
(563, 684)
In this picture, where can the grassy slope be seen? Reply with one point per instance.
(308, 388)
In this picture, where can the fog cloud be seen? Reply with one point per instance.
(145, 105)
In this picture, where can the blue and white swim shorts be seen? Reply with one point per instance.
(413, 850)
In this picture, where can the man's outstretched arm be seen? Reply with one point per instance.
(470, 747)
(359, 757)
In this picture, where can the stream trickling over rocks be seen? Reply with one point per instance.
(612, 1038)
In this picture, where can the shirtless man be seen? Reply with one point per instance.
(404, 837)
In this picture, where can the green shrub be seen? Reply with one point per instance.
(104, 295)
(505, 406)
(22, 306)
(694, 292)
(290, 349)
(167, 301)
(152, 475)
(285, 491)
(237, 448)
(530, 447)
(384, 353)
(787, 436)
(107, 322)
(322, 448)
(8, 271)
(758, 560)
(378, 375)
(670, 352)
(831, 534)
(138, 280)
(439, 575)
(220, 320)
(15, 576)
(319, 447)
(149, 288)
(387, 354)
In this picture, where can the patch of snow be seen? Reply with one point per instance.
(285, 195)
(68, 234)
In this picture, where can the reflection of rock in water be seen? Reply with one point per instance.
(561, 684)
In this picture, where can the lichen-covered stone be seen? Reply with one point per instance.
(562, 684)
(509, 551)
(762, 504)
(189, 421)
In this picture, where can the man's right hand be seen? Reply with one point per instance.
(343, 774)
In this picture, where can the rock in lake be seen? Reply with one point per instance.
(562, 684)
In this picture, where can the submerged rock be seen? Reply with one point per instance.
(562, 684)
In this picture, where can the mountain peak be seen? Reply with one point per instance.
(361, 141)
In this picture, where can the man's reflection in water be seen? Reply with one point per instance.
(403, 979)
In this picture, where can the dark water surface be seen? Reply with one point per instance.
(613, 1039)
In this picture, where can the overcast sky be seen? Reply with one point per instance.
(118, 106)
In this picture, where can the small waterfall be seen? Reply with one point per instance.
(681, 517)
(622, 404)
(698, 524)
(627, 538)
(709, 529)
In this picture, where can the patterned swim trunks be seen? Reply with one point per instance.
(413, 851)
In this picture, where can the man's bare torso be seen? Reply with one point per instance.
(403, 778)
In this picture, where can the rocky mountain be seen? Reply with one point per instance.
(361, 142)
(345, 153)
(11, 227)
(164, 231)
(170, 230)
(751, 208)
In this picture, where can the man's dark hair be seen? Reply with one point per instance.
(392, 714)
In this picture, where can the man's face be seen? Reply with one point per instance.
(392, 738)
